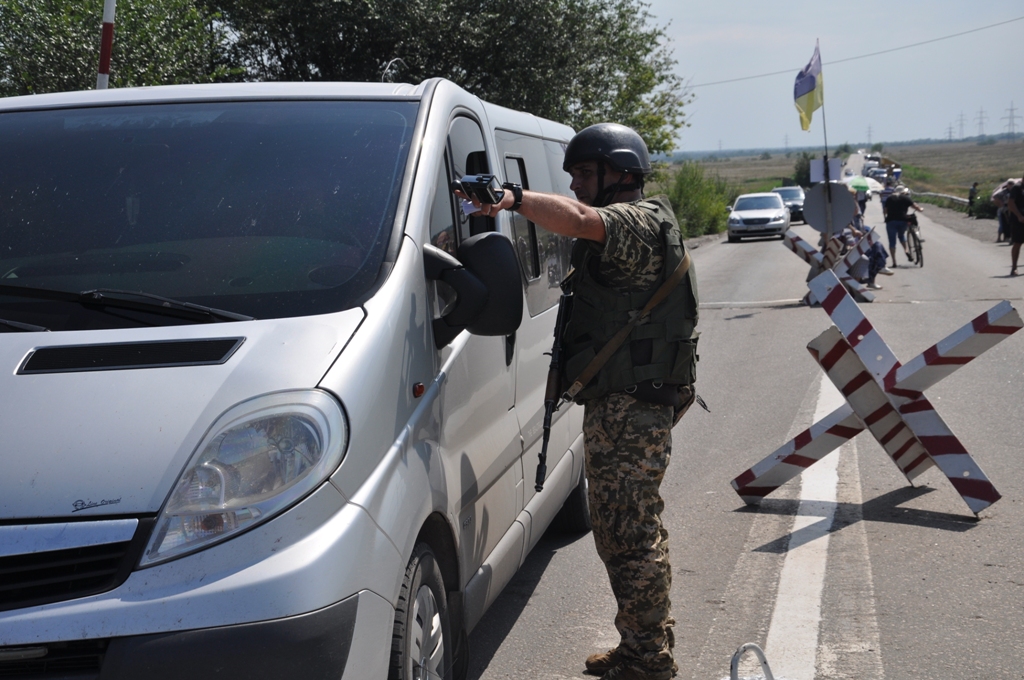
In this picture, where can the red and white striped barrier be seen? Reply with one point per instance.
(887, 399)
(106, 44)
(820, 261)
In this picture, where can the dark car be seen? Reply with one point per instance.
(793, 197)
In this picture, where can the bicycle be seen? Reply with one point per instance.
(914, 239)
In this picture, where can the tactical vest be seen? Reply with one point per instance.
(662, 350)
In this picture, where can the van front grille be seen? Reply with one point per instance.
(37, 578)
(80, 659)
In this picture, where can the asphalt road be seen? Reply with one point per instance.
(878, 580)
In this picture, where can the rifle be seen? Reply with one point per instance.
(553, 391)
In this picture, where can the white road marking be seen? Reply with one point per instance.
(793, 635)
(753, 303)
(792, 640)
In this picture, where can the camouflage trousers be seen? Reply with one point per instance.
(628, 445)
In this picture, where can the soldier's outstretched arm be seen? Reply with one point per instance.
(554, 212)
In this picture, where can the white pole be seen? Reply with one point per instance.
(106, 44)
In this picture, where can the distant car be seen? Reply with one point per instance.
(849, 171)
(793, 197)
(758, 215)
(878, 173)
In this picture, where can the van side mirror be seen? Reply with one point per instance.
(487, 285)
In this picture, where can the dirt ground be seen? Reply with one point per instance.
(982, 230)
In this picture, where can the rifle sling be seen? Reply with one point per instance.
(612, 345)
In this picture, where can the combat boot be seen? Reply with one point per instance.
(602, 662)
(629, 671)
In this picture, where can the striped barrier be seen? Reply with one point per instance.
(829, 259)
(886, 398)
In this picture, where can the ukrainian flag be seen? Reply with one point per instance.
(808, 91)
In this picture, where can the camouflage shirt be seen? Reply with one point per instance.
(632, 255)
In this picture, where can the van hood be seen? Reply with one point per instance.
(80, 443)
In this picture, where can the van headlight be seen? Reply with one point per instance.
(257, 460)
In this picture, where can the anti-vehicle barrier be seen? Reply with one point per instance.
(887, 398)
(829, 260)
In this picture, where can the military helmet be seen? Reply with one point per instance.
(617, 145)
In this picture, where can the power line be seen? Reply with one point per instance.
(961, 125)
(862, 56)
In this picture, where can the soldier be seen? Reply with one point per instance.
(625, 248)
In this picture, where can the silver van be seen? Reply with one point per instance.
(271, 403)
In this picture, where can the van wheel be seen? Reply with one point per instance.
(574, 517)
(421, 643)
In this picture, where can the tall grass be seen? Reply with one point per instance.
(699, 199)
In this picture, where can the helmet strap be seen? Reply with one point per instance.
(605, 195)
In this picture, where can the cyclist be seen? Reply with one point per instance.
(896, 210)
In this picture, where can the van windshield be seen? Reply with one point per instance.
(267, 209)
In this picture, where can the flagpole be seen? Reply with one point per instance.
(828, 179)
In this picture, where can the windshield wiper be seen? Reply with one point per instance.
(22, 327)
(130, 299)
(151, 302)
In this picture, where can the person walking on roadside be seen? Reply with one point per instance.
(896, 210)
(1015, 220)
(626, 248)
(972, 196)
(999, 197)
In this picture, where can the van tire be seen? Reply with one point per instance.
(574, 517)
(421, 621)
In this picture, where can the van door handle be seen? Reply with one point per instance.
(510, 348)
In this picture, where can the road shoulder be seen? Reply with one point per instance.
(983, 230)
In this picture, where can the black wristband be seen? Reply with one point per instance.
(517, 193)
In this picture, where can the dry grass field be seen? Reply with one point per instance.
(947, 168)
(752, 173)
(952, 168)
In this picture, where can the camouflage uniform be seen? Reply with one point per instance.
(628, 445)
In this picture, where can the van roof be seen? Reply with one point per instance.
(214, 92)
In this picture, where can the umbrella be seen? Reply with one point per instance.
(857, 182)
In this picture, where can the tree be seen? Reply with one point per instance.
(575, 61)
(802, 169)
(877, 147)
(699, 199)
(53, 45)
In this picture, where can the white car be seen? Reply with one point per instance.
(758, 215)
(272, 401)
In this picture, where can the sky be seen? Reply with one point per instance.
(915, 93)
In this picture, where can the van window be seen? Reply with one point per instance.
(524, 231)
(442, 223)
(544, 255)
(268, 209)
(468, 157)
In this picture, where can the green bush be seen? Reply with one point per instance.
(700, 201)
(802, 169)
